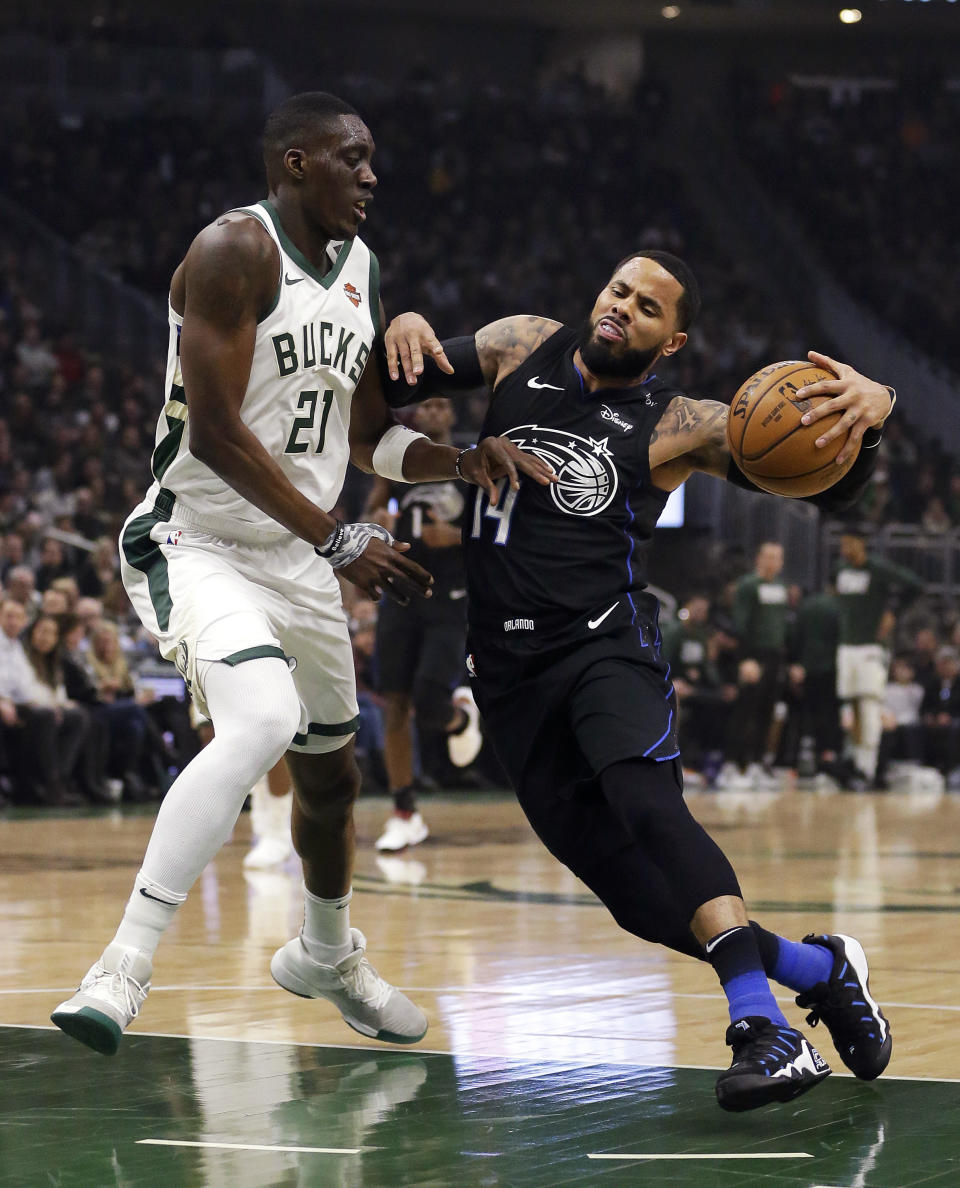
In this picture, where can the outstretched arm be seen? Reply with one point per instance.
(692, 436)
(483, 359)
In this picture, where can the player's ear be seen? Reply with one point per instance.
(293, 162)
(674, 343)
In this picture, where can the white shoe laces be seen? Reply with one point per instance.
(365, 984)
(119, 985)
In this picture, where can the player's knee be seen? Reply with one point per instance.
(431, 703)
(277, 723)
(327, 786)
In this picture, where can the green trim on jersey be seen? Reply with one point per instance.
(373, 295)
(276, 302)
(178, 394)
(260, 652)
(328, 730)
(144, 554)
(167, 449)
(324, 279)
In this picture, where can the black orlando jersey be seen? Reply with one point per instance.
(420, 505)
(546, 557)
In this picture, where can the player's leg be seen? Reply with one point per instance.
(255, 711)
(271, 802)
(441, 704)
(622, 712)
(328, 959)
(399, 637)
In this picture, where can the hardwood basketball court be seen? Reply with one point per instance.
(560, 1051)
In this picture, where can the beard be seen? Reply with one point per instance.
(607, 363)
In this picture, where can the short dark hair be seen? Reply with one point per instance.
(689, 304)
(297, 119)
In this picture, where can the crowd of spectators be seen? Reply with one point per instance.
(481, 211)
(869, 166)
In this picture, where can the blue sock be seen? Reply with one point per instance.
(799, 966)
(736, 958)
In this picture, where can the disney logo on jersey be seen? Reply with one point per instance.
(587, 475)
(614, 417)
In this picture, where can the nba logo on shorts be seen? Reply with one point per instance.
(471, 665)
(173, 538)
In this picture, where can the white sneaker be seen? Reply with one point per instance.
(368, 1003)
(400, 832)
(267, 853)
(108, 1000)
(464, 747)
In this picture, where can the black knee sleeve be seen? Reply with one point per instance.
(648, 798)
(431, 705)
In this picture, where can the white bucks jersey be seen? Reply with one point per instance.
(310, 351)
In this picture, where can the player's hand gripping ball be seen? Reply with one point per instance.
(769, 443)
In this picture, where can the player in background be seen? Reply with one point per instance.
(231, 561)
(564, 647)
(760, 617)
(864, 590)
(271, 809)
(420, 646)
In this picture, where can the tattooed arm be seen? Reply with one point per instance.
(458, 364)
(503, 345)
(691, 435)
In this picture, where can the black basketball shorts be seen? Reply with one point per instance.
(557, 719)
(419, 644)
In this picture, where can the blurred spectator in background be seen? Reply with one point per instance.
(865, 586)
(940, 712)
(760, 618)
(816, 633)
(902, 736)
(48, 692)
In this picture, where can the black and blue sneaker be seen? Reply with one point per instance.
(858, 1027)
(770, 1063)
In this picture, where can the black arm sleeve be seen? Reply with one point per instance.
(845, 492)
(467, 374)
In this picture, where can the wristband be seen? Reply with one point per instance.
(333, 541)
(458, 465)
(347, 541)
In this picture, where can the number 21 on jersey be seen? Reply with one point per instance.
(501, 514)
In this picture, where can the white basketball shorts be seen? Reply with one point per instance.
(210, 600)
(861, 670)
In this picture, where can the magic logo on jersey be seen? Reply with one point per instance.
(585, 467)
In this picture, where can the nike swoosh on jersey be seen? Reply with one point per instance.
(292, 280)
(595, 623)
(711, 945)
(532, 383)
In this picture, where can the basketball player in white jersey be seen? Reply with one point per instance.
(230, 560)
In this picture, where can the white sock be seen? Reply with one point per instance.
(326, 927)
(256, 712)
(148, 914)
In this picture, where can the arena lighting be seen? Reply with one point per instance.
(670, 11)
(850, 16)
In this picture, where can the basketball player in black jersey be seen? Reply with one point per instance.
(420, 645)
(564, 648)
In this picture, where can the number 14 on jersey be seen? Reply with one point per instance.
(501, 514)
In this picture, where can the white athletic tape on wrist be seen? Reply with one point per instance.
(354, 540)
(388, 456)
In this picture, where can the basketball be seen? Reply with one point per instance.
(767, 439)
